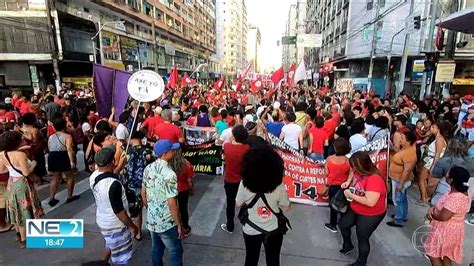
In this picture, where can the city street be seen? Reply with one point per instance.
(309, 243)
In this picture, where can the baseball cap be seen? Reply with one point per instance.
(105, 156)
(163, 146)
(8, 100)
(468, 97)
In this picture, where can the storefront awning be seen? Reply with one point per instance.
(460, 21)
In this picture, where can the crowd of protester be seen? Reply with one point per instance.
(142, 163)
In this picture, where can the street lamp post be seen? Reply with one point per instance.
(99, 33)
(389, 59)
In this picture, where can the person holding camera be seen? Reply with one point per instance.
(366, 190)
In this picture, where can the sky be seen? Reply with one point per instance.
(270, 16)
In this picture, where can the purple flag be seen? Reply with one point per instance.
(120, 91)
(103, 89)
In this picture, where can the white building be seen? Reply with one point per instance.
(253, 46)
(231, 32)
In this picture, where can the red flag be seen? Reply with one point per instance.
(256, 85)
(269, 93)
(187, 81)
(291, 74)
(173, 81)
(238, 86)
(278, 75)
(219, 84)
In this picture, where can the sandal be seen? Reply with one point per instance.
(23, 244)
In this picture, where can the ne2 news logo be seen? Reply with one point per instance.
(54, 233)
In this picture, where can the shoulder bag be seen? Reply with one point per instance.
(339, 202)
(32, 178)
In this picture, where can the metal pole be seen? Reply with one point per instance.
(133, 126)
(101, 52)
(374, 46)
(389, 61)
(406, 50)
(434, 10)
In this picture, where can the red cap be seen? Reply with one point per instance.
(468, 97)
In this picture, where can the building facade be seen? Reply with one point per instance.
(301, 6)
(289, 50)
(231, 33)
(254, 39)
(123, 34)
(352, 32)
(26, 46)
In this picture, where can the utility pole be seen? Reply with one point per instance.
(406, 51)
(426, 90)
(374, 45)
(451, 43)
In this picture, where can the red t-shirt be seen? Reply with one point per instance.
(150, 123)
(24, 108)
(7, 117)
(168, 131)
(191, 120)
(372, 183)
(330, 127)
(186, 173)
(233, 155)
(319, 137)
(338, 173)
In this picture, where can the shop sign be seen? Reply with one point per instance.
(418, 68)
(129, 49)
(461, 81)
(78, 80)
(170, 50)
(445, 72)
(37, 5)
(111, 46)
(309, 40)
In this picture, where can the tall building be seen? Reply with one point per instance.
(300, 27)
(231, 32)
(347, 29)
(253, 46)
(289, 50)
(123, 34)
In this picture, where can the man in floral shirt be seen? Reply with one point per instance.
(159, 192)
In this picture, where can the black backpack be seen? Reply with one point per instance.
(283, 222)
(134, 202)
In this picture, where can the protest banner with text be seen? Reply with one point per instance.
(201, 151)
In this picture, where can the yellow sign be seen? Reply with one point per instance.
(463, 81)
(78, 80)
(445, 72)
(418, 65)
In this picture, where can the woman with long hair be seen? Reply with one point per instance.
(185, 172)
(434, 152)
(23, 202)
(262, 176)
(366, 190)
(445, 240)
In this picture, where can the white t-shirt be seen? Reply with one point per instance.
(226, 135)
(121, 132)
(357, 141)
(291, 133)
(248, 118)
(259, 214)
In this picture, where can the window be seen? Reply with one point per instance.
(382, 3)
(370, 4)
